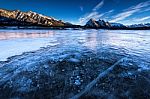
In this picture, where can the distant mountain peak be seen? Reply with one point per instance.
(92, 23)
(92, 19)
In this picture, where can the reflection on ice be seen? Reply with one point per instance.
(18, 41)
(19, 34)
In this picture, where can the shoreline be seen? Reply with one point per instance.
(66, 28)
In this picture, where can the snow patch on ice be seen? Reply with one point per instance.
(74, 60)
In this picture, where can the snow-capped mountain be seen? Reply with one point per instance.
(102, 24)
(92, 23)
(17, 17)
(117, 25)
(139, 25)
(97, 24)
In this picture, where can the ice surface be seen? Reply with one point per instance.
(62, 62)
(15, 42)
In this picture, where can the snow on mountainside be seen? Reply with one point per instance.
(97, 24)
(139, 25)
(91, 23)
(102, 24)
(117, 25)
(147, 24)
(17, 17)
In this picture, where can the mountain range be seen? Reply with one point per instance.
(92, 23)
(19, 18)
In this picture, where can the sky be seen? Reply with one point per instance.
(80, 11)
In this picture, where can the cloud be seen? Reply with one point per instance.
(93, 14)
(136, 20)
(81, 8)
(140, 5)
(88, 16)
(130, 11)
(146, 9)
(145, 18)
(141, 19)
(98, 6)
(123, 15)
(109, 12)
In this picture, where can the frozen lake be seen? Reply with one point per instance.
(65, 64)
(15, 42)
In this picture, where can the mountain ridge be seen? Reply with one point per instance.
(30, 18)
(27, 18)
(101, 24)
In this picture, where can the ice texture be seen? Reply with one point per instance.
(70, 59)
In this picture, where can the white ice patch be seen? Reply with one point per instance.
(77, 82)
(74, 60)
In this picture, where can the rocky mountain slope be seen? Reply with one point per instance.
(97, 24)
(117, 25)
(92, 23)
(17, 17)
(147, 25)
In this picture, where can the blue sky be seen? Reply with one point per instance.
(80, 11)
